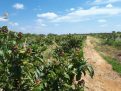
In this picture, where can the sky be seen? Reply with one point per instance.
(61, 16)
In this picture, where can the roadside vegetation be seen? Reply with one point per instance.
(109, 47)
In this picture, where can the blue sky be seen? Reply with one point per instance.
(61, 16)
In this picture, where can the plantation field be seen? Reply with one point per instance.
(42, 62)
(70, 62)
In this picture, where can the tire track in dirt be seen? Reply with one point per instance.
(105, 79)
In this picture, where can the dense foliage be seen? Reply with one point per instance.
(112, 39)
(42, 63)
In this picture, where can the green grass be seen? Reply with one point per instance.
(116, 65)
(114, 62)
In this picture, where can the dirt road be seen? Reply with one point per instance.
(105, 79)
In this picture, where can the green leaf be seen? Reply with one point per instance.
(90, 70)
(67, 85)
(22, 51)
(14, 42)
(1, 53)
(9, 51)
(38, 88)
(70, 66)
(66, 75)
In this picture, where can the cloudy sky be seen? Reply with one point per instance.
(61, 16)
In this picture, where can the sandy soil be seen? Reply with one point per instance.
(105, 79)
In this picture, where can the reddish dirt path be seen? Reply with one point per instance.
(105, 79)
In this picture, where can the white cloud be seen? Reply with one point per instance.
(105, 1)
(37, 9)
(109, 5)
(113, 1)
(118, 25)
(102, 20)
(13, 23)
(43, 25)
(72, 9)
(104, 25)
(97, 1)
(40, 22)
(56, 25)
(81, 14)
(18, 6)
(23, 28)
(48, 15)
(2, 19)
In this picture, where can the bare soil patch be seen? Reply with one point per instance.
(105, 79)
